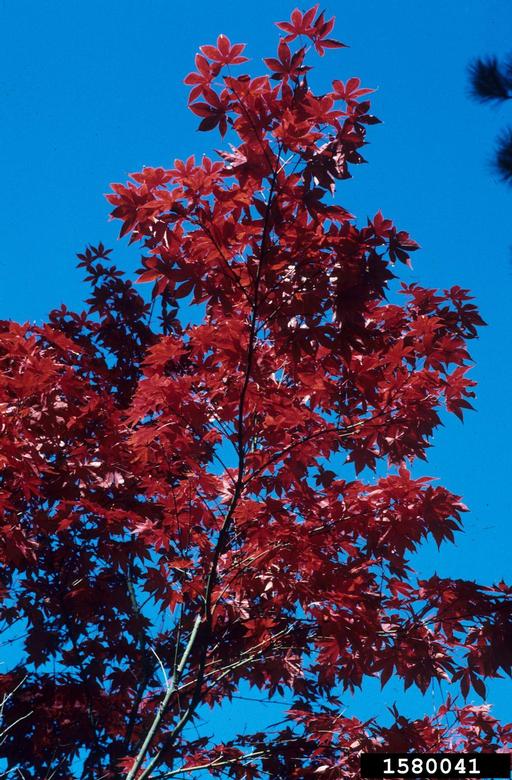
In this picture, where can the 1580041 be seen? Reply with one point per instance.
(435, 765)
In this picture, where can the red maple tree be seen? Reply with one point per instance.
(196, 499)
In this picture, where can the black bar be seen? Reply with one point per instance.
(385, 766)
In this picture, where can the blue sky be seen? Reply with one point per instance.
(92, 90)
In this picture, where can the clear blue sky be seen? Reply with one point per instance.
(91, 90)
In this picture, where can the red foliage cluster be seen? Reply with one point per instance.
(183, 495)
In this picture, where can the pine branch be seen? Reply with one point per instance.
(488, 82)
(503, 157)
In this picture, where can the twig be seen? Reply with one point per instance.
(212, 764)
(11, 725)
(164, 703)
(164, 673)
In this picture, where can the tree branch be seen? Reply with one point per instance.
(221, 540)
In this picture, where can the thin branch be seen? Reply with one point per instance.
(7, 696)
(212, 764)
(11, 725)
(162, 709)
(142, 683)
(164, 673)
(231, 275)
(343, 433)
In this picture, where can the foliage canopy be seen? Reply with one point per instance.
(198, 497)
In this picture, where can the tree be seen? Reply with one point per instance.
(190, 508)
(491, 82)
